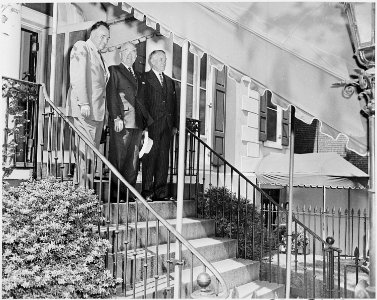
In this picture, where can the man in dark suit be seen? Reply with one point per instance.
(127, 116)
(161, 103)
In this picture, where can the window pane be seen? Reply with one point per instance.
(202, 111)
(189, 97)
(190, 68)
(177, 64)
(177, 60)
(203, 71)
(220, 77)
(189, 101)
(271, 124)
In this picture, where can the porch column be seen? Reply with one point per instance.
(53, 52)
(181, 165)
(11, 39)
(10, 58)
(290, 204)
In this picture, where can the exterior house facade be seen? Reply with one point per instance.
(238, 117)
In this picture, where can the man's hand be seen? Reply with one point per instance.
(174, 131)
(85, 110)
(118, 124)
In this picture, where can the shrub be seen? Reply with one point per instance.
(220, 201)
(50, 245)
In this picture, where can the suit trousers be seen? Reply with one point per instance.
(155, 164)
(124, 154)
(92, 130)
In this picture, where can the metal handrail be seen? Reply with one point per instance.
(207, 264)
(256, 187)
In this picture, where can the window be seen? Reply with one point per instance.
(273, 123)
(196, 84)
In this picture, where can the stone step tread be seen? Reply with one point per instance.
(139, 253)
(259, 289)
(143, 224)
(222, 266)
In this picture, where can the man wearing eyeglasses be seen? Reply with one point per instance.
(86, 100)
(128, 117)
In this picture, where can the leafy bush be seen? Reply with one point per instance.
(50, 247)
(222, 205)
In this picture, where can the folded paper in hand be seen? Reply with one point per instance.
(147, 145)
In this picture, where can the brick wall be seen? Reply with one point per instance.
(305, 137)
(309, 140)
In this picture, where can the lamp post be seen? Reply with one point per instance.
(361, 19)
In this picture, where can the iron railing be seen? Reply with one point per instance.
(348, 227)
(21, 123)
(245, 212)
(142, 241)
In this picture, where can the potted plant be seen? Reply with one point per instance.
(300, 242)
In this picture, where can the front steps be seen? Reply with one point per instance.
(241, 275)
(235, 271)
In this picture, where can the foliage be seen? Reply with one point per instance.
(19, 96)
(250, 229)
(50, 247)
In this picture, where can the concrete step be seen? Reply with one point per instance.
(259, 290)
(192, 228)
(17, 176)
(234, 271)
(153, 261)
(166, 209)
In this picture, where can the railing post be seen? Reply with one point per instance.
(181, 164)
(203, 280)
(330, 280)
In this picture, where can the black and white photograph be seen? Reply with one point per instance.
(178, 149)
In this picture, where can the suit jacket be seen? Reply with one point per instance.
(161, 102)
(123, 99)
(88, 77)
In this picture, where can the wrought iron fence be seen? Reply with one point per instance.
(21, 124)
(348, 227)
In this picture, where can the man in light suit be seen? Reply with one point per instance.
(127, 116)
(161, 103)
(86, 96)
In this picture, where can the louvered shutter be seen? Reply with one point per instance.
(263, 116)
(285, 128)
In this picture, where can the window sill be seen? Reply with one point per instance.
(275, 145)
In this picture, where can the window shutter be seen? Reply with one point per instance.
(263, 116)
(285, 128)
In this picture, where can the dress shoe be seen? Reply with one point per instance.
(149, 199)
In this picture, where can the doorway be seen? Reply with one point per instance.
(29, 54)
(270, 211)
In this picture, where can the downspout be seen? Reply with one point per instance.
(181, 167)
(53, 52)
(323, 211)
(290, 203)
(372, 207)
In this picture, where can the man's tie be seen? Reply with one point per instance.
(132, 72)
(161, 79)
(103, 62)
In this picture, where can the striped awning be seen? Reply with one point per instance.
(311, 170)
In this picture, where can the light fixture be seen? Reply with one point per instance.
(361, 20)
